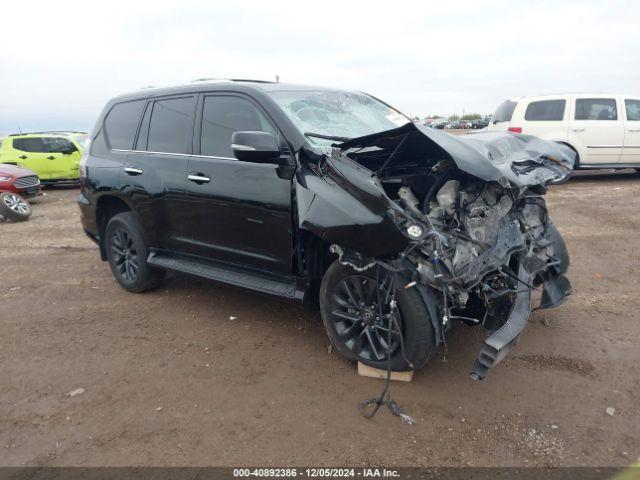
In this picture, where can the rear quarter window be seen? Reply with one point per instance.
(504, 112)
(545, 110)
(121, 124)
(633, 110)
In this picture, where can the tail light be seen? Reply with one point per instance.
(515, 129)
(84, 158)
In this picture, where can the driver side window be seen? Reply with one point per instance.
(224, 115)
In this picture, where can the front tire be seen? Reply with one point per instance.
(350, 313)
(127, 254)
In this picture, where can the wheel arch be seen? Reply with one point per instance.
(576, 165)
(313, 258)
(106, 207)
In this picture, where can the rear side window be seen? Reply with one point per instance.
(596, 109)
(170, 126)
(29, 144)
(504, 112)
(633, 110)
(545, 110)
(121, 124)
(224, 115)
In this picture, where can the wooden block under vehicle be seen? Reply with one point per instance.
(366, 371)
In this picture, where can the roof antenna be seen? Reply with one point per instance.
(277, 78)
(19, 130)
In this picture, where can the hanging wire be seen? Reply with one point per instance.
(368, 408)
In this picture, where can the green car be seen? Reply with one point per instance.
(54, 156)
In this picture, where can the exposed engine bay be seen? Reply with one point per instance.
(463, 219)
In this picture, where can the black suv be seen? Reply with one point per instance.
(396, 231)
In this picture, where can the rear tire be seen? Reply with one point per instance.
(14, 207)
(127, 254)
(362, 338)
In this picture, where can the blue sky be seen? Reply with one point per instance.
(59, 67)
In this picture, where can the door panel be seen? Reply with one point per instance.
(155, 183)
(631, 149)
(61, 165)
(596, 130)
(155, 172)
(242, 214)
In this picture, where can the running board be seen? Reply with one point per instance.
(270, 284)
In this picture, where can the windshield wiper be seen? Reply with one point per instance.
(327, 137)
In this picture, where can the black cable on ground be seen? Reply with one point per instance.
(368, 408)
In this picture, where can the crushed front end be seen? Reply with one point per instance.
(470, 226)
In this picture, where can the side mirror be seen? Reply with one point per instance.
(254, 146)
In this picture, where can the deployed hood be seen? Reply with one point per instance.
(524, 160)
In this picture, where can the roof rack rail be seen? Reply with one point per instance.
(46, 131)
(250, 80)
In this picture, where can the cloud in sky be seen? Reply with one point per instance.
(60, 61)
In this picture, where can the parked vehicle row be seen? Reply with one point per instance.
(459, 125)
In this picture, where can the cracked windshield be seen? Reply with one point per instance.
(330, 116)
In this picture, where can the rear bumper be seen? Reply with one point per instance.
(53, 181)
(88, 216)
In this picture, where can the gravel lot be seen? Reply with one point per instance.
(169, 378)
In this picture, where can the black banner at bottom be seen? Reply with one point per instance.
(205, 473)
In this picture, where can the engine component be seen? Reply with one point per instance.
(447, 196)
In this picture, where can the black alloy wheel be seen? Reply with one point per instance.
(368, 330)
(364, 326)
(125, 255)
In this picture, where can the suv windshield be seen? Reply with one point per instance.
(504, 112)
(329, 116)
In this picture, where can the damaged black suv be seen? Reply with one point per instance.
(394, 230)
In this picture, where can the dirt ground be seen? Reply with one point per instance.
(199, 373)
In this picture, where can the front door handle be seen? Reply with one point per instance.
(23, 157)
(578, 129)
(631, 130)
(133, 171)
(198, 178)
(50, 157)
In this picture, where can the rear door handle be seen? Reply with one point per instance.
(50, 157)
(133, 171)
(631, 130)
(578, 129)
(198, 178)
(23, 157)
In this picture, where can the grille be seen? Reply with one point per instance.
(25, 182)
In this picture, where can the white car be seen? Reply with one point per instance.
(604, 129)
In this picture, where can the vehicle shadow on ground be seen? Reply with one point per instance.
(61, 186)
(289, 318)
(604, 175)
